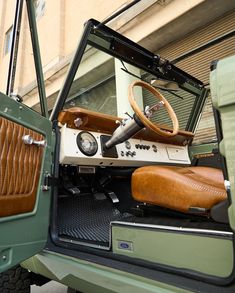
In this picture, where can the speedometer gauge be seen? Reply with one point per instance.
(87, 143)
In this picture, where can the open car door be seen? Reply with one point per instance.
(25, 160)
(26, 153)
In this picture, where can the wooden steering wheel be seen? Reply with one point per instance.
(141, 115)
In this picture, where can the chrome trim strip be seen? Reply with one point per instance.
(85, 243)
(176, 229)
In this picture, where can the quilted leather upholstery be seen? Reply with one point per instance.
(179, 188)
(20, 166)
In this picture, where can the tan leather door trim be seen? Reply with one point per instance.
(20, 166)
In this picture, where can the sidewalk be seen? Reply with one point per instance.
(51, 287)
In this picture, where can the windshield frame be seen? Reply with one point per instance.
(105, 39)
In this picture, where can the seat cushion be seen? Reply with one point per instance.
(179, 188)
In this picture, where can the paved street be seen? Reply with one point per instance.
(51, 287)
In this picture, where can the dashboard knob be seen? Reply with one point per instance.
(128, 145)
(129, 153)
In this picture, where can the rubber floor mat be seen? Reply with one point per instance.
(85, 218)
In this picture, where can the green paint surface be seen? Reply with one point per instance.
(222, 81)
(24, 235)
(207, 255)
(93, 278)
(201, 149)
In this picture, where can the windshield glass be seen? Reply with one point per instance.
(93, 87)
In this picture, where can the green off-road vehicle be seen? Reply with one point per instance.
(108, 204)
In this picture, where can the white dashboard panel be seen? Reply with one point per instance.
(136, 153)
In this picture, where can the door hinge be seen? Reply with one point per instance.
(49, 181)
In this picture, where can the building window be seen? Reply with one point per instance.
(39, 8)
(8, 40)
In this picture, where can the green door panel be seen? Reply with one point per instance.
(222, 80)
(202, 150)
(23, 229)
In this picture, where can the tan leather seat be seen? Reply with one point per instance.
(179, 188)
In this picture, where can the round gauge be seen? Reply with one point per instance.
(87, 143)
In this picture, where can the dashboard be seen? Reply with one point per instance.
(79, 147)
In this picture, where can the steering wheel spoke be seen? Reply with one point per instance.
(149, 111)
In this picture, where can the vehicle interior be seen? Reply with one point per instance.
(130, 180)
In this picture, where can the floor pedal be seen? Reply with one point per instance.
(113, 197)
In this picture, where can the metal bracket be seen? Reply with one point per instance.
(227, 184)
(49, 181)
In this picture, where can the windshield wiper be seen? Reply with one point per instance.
(132, 74)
